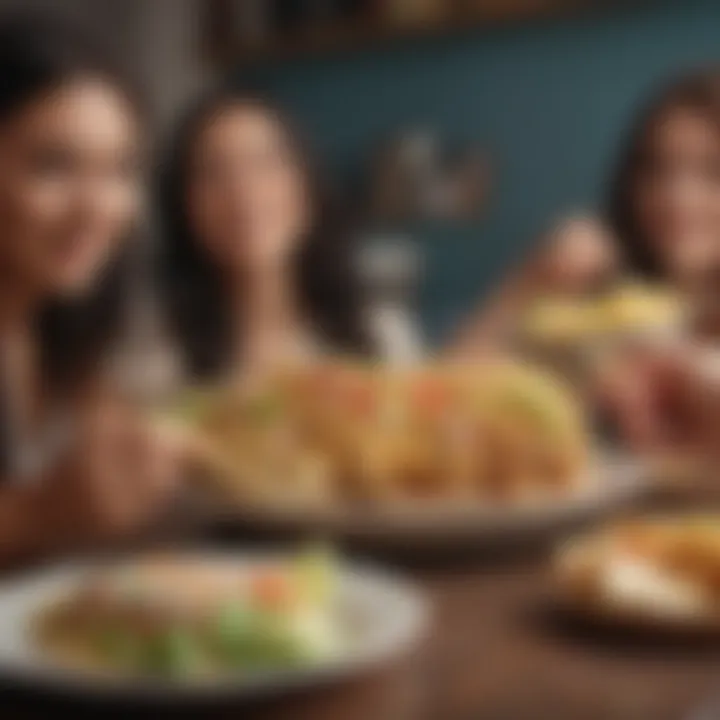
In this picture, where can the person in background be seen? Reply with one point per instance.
(75, 466)
(253, 271)
(663, 225)
(663, 219)
(665, 401)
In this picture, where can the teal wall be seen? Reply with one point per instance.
(550, 101)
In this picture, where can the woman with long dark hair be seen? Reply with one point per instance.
(662, 224)
(665, 201)
(253, 268)
(663, 215)
(70, 135)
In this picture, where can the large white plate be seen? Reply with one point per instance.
(380, 615)
(617, 480)
(648, 612)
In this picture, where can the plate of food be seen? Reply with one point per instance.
(431, 454)
(571, 334)
(203, 626)
(657, 573)
(628, 309)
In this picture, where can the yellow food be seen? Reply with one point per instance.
(663, 566)
(340, 433)
(185, 617)
(628, 308)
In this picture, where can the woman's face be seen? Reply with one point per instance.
(677, 193)
(247, 195)
(68, 186)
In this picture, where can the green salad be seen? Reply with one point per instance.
(178, 617)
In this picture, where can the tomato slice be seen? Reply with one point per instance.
(271, 589)
(430, 396)
(353, 391)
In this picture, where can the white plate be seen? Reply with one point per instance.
(617, 481)
(380, 616)
(633, 608)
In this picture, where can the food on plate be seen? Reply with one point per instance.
(666, 568)
(339, 433)
(189, 616)
(629, 308)
(639, 306)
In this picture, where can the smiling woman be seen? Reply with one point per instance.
(69, 193)
(67, 197)
(662, 223)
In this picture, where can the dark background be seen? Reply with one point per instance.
(549, 100)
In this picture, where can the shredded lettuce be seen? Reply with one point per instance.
(255, 639)
(245, 634)
(174, 652)
(316, 574)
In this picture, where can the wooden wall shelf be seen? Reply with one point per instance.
(372, 31)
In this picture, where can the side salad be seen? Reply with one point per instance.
(187, 617)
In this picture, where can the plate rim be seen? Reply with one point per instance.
(410, 627)
(436, 523)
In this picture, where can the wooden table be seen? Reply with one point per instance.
(495, 653)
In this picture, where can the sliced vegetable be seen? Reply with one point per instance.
(317, 571)
(258, 639)
(175, 652)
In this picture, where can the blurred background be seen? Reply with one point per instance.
(523, 101)
(454, 135)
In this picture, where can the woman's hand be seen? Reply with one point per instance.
(578, 255)
(119, 475)
(665, 400)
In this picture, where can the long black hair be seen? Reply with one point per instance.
(193, 287)
(698, 91)
(37, 56)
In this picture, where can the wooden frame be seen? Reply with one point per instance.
(371, 29)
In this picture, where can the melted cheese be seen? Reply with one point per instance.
(633, 584)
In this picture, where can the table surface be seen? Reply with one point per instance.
(495, 652)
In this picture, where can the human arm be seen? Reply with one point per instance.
(576, 257)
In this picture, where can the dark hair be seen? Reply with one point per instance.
(194, 290)
(698, 91)
(37, 56)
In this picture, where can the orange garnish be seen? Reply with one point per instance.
(430, 396)
(271, 589)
